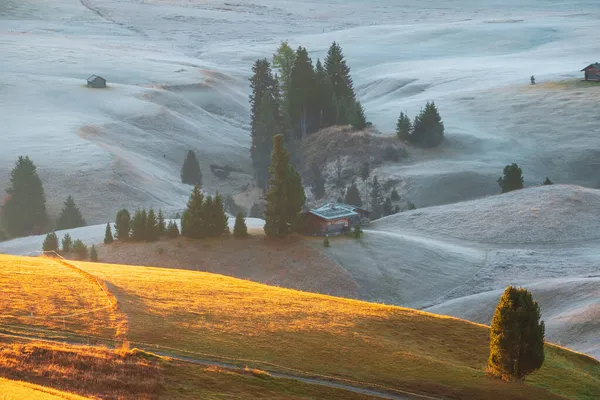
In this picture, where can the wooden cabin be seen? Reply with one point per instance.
(96, 82)
(592, 72)
(334, 219)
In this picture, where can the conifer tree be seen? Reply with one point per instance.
(516, 335)
(357, 117)
(283, 60)
(70, 216)
(376, 199)
(122, 225)
(318, 182)
(303, 96)
(353, 196)
(162, 227)
(240, 229)
(512, 178)
(276, 215)
(428, 128)
(108, 237)
(24, 210)
(193, 223)
(172, 230)
(151, 228)
(266, 120)
(190, 171)
(93, 254)
(138, 225)
(547, 182)
(80, 250)
(325, 97)
(67, 243)
(339, 74)
(208, 212)
(50, 242)
(403, 127)
(395, 196)
(221, 222)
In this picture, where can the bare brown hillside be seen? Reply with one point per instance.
(290, 262)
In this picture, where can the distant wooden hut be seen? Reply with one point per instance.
(592, 72)
(334, 218)
(96, 82)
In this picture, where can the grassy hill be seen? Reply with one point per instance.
(212, 317)
(15, 390)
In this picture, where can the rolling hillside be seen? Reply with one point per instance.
(203, 316)
(15, 390)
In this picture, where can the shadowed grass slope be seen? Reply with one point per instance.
(210, 316)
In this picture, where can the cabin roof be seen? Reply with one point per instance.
(331, 211)
(594, 65)
(94, 77)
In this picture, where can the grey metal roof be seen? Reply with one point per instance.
(331, 211)
(594, 65)
(94, 77)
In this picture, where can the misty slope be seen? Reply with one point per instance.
(457, 259)
(178, 72)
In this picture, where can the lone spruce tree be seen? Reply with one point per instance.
(357, 117)
(341, 81)
(70, 216)
(276, 213)
(240, 229)
(193, 223)
(108, 237)
(516, 336)
(190, 171)
(512, 178)
(24, 211)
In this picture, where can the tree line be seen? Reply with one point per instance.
(24, 208)
(301, 99)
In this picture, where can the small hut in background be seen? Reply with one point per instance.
(592, 72)
(96, 82)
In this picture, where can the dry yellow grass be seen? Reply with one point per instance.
(43, 293)
(15, 390)
(205, 315)
(202, 315)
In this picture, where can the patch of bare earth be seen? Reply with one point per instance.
(290, 262)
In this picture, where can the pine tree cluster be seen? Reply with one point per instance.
(24, 210)
(69, 247)
(301, 100)
(204, 217)
(144, 226)
(427, 129)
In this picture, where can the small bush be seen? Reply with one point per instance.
(357, 232)
(80, 250)
(93, 254)
(547, 182)
(51, 242)
(326, 242)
